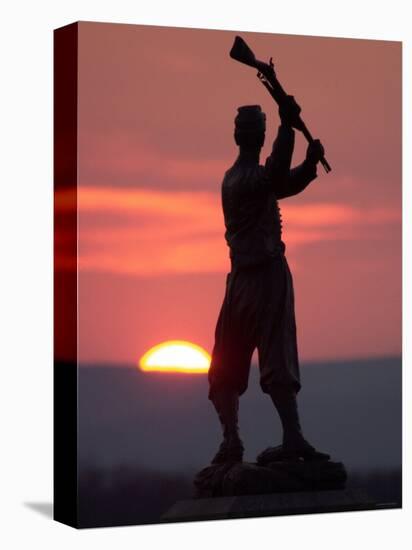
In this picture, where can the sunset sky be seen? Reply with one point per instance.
(156, 110)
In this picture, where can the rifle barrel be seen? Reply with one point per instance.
(278, 93)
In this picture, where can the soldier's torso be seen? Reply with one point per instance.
(252, 215)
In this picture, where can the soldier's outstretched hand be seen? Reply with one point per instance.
(289, 112)
(315, 151)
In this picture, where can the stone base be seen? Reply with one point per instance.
(245, 478)
(278, 504)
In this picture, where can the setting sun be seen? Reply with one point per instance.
(176, 356)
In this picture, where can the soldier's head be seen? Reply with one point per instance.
(250, 127)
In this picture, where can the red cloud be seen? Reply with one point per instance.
(182, 232)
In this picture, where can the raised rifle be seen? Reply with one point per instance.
(266, 73)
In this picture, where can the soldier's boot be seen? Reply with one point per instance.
(231, 449)
(294, 445)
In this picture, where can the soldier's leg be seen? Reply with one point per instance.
(293, 442)
(226, 403)
(228, 379)
(278, 359)
(286, 405)
(229, 372)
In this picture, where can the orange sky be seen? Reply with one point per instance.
(156, 109)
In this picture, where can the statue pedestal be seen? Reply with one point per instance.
(271, 486)
(275, 504)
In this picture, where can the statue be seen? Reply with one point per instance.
(258, 307)
(258, 310)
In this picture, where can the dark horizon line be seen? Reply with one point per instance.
(304, 363)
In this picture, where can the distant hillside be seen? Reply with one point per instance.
(165, 421)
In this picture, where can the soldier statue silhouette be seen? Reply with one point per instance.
(258, 307)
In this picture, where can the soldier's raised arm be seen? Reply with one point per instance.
(300, 176)
(277, 166)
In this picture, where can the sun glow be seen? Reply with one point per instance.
(176, 356)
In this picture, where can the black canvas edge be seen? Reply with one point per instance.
(65, 402)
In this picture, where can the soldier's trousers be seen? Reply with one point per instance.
(257, 312)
